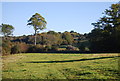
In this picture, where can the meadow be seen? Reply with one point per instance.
(61, 66)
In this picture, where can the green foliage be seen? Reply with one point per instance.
(6, 47)
(54, 48)
(35, 49)
(15, 49)
(38, 23)
(52, 32)
(67, 38)
(83, 45)
(46, 42)
(82, 48)
(71, 48)
(48, 48)
(50, 39)
(105, 36)
(6, 29)
(23, 47)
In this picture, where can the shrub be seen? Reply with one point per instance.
(15, 49)
(35, 49)
(71, 48)
(6, 47)
(23, 47)
(48, 48)
(54, 48)
(82, 48)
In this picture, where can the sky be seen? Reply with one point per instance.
(60, 16)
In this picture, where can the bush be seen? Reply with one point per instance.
(71, 48)
(54, 48)
(15, 49)
(35, 49)
(23, 47)
(82, 48)
(31, 49)
(48, 48)
(6, 47)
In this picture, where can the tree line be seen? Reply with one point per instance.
(105, 37)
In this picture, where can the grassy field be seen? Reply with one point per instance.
(61, 66)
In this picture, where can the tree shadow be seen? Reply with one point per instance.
(71, 60)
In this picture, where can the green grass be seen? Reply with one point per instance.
(60, 66)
